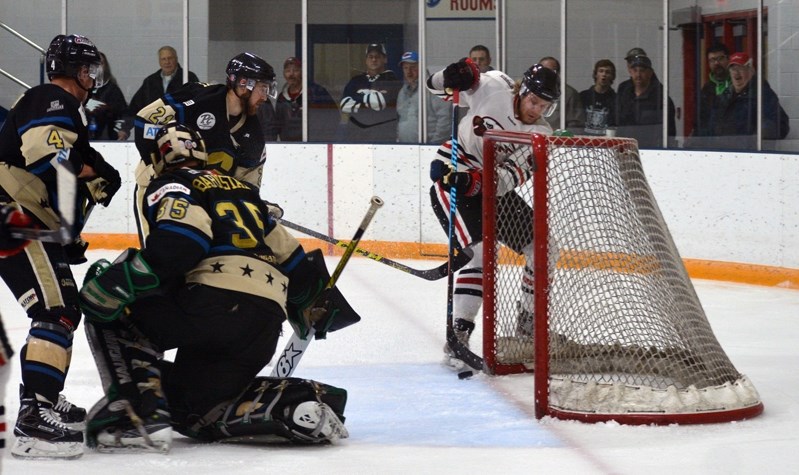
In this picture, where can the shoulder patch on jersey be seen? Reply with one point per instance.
(55, 106)
(156, 196)
(206, 121)
(150, 130)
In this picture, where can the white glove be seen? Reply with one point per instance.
(374, 100)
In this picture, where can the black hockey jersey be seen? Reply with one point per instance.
(45, 120)
(234, 148)
(215, 230)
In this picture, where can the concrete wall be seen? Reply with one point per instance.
(732, 207)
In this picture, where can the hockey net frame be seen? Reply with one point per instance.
(619, 333)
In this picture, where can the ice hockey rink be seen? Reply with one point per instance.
(407, 414)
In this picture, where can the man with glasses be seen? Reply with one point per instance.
(715, 89)
(499, 103)
(223, 114)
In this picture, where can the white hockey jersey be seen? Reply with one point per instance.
(490, 108)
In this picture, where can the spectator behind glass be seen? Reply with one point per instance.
(715, 91)
(105, 107)
(640, 106)
(600, 99)
(575, 113)
(738, 115)
(369, 102)
(480, 56)
(167, 79)
(438, 114)
(283, 121)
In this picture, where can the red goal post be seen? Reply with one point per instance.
(619, 332)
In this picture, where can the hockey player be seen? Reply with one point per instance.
(495, 102)
(225, 115)
(215, 281)
(47, 119)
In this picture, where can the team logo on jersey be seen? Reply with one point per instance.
(206, 121)
(156, 196)
(188, 103)
(481, 124)
(28, 299)
(150, 130)
(55, 106)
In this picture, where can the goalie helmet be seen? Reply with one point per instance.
(68, 53)
(544, 83)
(246, 69)
(177, 144)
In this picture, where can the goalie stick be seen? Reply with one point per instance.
(460, 350)
(295, 348)
(435, 273)
(66, 182)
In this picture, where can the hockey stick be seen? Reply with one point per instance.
(66, 183)
(460, 351)
(295, 348)
(428, 274)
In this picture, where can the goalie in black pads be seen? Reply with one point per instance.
(216, 280)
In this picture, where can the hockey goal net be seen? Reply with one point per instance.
(619, 332)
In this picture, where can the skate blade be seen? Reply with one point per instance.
(30, 448)
(454, 363)
(78, 426)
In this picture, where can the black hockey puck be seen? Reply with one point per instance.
(465, 374)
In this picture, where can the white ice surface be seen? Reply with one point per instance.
(407, 414)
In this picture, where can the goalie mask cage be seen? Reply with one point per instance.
(619, 333)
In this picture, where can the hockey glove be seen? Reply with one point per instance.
(274, 209)
(76, 251)
(467, 183)
(110, 287)
(462, 75)
(439, 169)
(102, 188)
(12, 218)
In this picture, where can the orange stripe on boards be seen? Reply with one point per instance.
(698, 269)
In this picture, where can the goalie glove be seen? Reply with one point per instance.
(110, 287)
(310, 304)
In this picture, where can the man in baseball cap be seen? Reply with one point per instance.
(633, 53)
(376, 47)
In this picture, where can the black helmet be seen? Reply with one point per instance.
(66, 55)
(245, 69)
(177, 144)
(541, 81)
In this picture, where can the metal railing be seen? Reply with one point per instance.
(32, 45)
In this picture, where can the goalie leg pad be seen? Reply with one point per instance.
(280, 410)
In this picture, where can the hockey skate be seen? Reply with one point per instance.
(463, 330)
(42, 435)
(71, 415)
(114, 427)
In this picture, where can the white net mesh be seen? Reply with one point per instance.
(626, 330)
